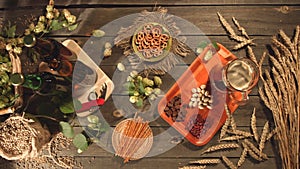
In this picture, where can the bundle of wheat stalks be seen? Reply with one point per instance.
(281, 94)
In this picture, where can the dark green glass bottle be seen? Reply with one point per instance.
(58, 57)
(31, 81)
(43, 82)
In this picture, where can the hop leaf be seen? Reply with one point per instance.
(11, 31)
(67, 108)
(67, 129)
(80, 142)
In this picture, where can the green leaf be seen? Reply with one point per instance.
(104, 127)
(67, 108)
(93, 119)
(139, 103)
(56, 25)
(67, 129)
(77, 104)
(11, 31)
(131, 92)
(141, 88)
(80, 142)
(72, 27)
(131, 86)
(203, 44)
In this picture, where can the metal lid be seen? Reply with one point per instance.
(17, 79)
(29, 40)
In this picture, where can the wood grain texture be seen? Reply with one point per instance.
(28, 3)
(261, 18)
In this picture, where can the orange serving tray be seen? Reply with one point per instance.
(196, 75)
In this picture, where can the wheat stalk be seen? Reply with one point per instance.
(263, 137)
(228, 162)
(253, 125)
(243, 40)
(206, 161)
(233, 138)
(284, 78)
(193, 167)
(221, 147)
(252, 147)
(240, 133)
(242, 157)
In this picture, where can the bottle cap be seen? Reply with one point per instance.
(29, 40)
(17, 79)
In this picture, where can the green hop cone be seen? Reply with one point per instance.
(156, 91)
(139, 78)
(157, 80)
(148, 91)
(148, 82)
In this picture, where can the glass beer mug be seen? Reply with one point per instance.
(239, 77)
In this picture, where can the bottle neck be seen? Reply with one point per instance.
(31, 81)
(44, 82)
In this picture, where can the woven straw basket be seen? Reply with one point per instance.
(16, 68)
(22, 138)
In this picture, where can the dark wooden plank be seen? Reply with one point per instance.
(166, 163)
(29, 3)
(96, 50)
(263, 20)
(166, 149)
(149, 163)
(242, 115)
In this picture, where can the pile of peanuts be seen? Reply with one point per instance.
(201, 98)
(151, 41)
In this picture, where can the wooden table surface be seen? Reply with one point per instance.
(261, 18)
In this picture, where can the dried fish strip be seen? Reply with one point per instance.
(221, 147)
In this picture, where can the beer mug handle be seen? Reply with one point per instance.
(238, 97)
